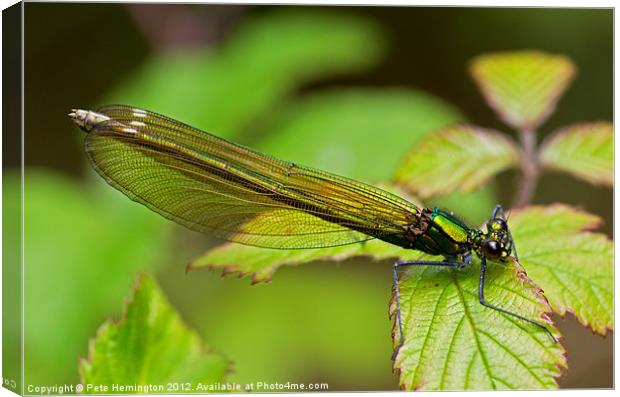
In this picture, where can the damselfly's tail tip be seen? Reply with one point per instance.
(76, 114)
(87, 119)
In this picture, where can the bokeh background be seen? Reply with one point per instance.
(346, 89)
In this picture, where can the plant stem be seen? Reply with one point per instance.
(529, 168)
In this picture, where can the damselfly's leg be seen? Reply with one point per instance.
(499, 210)
(398, 264)
(483, 269)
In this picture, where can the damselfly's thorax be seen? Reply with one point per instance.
(440, 233)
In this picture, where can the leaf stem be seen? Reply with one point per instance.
(529, 167)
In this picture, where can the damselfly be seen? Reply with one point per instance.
(236, 193)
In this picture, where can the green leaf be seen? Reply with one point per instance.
(151, 346)
(452, 342)
(575, 268)
(461, 157)
(261, 263)
(225, 89)
(585, 150)
(522, 87)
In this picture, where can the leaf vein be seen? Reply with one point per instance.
(514, 356)
(430, 328)
(450, 349)
(474, 329)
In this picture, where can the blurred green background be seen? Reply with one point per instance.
(345, 89)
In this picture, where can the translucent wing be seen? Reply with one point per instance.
(214, 186)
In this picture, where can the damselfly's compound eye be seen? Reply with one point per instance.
(492, 249)
(497, 225)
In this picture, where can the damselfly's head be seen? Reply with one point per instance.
(496, 242)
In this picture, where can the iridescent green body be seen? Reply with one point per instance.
(441, 233)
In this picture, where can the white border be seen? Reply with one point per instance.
(480, 3)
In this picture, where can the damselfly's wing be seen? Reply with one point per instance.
(214, 186)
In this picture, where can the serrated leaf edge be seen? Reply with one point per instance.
(586, 229)
(233, 269)
(128, 301)
(561, 310)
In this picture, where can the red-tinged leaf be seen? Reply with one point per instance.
(585, 150)
(460, 157)
(522, 87)
(574, 267)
